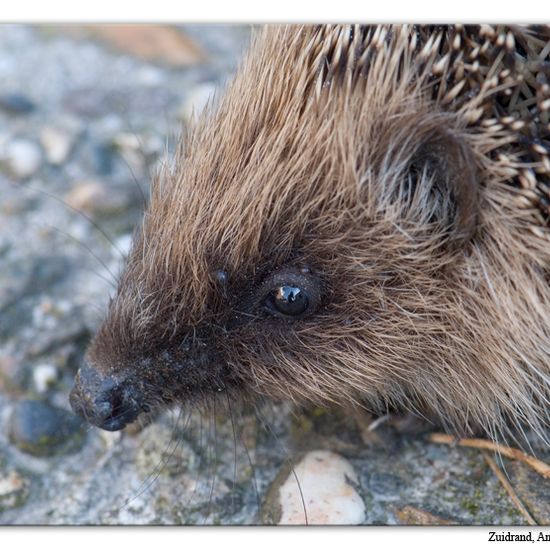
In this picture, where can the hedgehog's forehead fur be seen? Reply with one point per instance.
(298, 165)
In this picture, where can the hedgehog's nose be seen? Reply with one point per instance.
(105, 401)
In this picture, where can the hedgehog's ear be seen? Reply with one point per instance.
(441, 185)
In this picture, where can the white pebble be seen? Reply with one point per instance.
(44, 376)
(124, 244)
(23, 158)
(57, 144)
(324, 491)
(150, 76)
(196, 101)
(127, 141)
(87, 196)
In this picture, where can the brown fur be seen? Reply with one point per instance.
(438, 303)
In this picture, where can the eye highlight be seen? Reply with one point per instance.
(288, 300)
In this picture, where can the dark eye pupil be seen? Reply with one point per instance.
(289, 300)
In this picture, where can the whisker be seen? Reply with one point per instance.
(213, 470)
(254, 480)
(234, 453)
(165, 457)
(88, 249)
(129, 166)
(267, 425)
(198, 474)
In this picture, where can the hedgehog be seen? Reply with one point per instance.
(361, 220)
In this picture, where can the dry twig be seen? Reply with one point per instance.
(538, 465)
(509, 489)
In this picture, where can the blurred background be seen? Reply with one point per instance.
(87, 113)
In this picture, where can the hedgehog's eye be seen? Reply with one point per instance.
(290, 293)
(288, 300)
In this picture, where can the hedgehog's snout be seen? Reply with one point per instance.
(105, 401)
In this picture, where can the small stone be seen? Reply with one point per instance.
(126, 141)
(40, 429)
(22, 158)
(115, 203)
(86, 196)
(16, 104)
(57, 144)
(196, 101)
(44, 377)
(14, 490)
(138, 150)
(146, 145)
(320, 491)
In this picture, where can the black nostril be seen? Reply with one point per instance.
(103, 409)
(105, 401)
(115, 402)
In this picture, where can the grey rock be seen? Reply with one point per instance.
(40, 429)
(16, 103)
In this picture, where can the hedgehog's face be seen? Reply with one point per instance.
(299, 251)
(331, 286)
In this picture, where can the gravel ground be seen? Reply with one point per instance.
(84, 122)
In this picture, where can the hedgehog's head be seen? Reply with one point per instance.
(308, 244)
